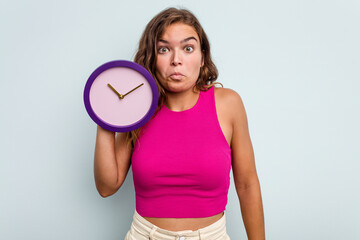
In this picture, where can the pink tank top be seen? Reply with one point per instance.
(181, 163)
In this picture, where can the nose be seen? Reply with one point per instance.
(176, 59)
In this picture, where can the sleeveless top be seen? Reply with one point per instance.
(181, 163)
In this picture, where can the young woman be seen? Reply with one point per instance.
(181, 159)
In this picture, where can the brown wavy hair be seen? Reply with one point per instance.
(146, 54)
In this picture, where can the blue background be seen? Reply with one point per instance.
(294, 63)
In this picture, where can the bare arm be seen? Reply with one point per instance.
(111, 161)
(245, 177)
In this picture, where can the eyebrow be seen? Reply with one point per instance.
(182, 41)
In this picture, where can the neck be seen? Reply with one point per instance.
(181, 101)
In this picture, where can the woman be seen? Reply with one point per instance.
(181, 159)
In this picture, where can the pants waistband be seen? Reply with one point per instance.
(215, 230)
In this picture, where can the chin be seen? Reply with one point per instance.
(177, 89)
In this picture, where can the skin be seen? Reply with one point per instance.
(179, 51)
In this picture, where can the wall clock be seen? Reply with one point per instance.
(121, 96)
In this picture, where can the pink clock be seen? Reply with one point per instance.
(121, 96)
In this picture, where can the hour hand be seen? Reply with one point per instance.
(112, 88)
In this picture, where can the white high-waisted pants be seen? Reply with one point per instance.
(141, 229)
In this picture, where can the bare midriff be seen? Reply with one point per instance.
(181, 224)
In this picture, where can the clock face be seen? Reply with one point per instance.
(121, 96)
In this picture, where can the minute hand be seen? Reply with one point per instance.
(133, 90)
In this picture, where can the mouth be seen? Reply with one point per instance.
(176, 76)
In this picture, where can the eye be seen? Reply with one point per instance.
(163, 50)
(188, 49)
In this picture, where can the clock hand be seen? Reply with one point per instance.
(133, 90)
(119, 95)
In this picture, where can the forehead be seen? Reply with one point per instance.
(179, 30)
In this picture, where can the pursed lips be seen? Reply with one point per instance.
(176, 75)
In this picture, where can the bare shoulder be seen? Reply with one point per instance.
(230, 102)
(228, 107)
(226, 94)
